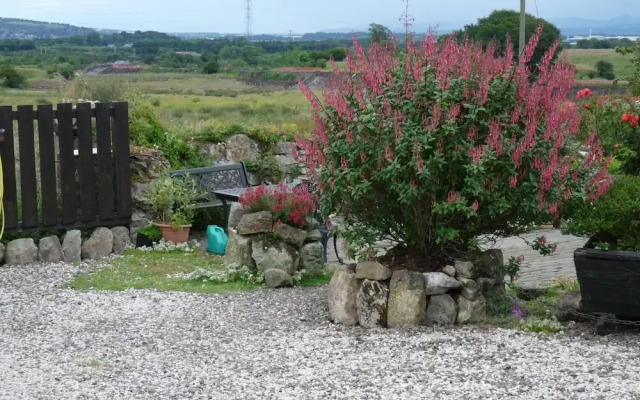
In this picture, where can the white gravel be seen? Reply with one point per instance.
(275, 344)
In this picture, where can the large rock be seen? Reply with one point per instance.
(442, 310)
(471, 311)
(139, 220)
(312, 257)
(291, 235)
(439, 283)
(570, 307)
(283, 148)
(2, 252)
(49, 249)
(407, 299)
(99, 245)
(465, 269)
(372, 304)
(342, 297)
(372, 270)
(486, 284)
(238, 250)
(488, 264)
(449, 270)
(470, 289)
(21, 251)
(241, 147)
(270, 254)
(140, 196)
(277, 278)
(236, 211)
(146, 163)
(314, 236)
(72, 246)
(260, 222)
(121, 239)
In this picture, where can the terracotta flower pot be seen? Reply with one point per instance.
(169, 234)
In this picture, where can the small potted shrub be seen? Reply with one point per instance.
(147, 236)
(608, 268)
(172, 201)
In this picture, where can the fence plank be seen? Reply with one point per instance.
(121, 157)
(9, 169)
(28, 184)
(47, 165)
(86, 166)
(105, 161)
(67, 164)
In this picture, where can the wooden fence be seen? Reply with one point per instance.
(66, 167)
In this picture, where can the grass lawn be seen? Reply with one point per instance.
(162, 271)
(585, 60)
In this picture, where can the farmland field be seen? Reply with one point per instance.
(585, 60)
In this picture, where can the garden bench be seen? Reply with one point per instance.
(212, 179)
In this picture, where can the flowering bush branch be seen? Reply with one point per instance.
(287, 206)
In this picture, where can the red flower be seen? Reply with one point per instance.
(615, 146)
(584, 93)
(586, 106)
(626, 117)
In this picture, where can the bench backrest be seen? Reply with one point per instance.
(227, 176)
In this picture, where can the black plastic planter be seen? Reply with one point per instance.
(143, 240)
(609, 282)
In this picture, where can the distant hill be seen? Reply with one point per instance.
(13, 28)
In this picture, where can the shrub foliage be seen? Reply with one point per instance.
(437, 144)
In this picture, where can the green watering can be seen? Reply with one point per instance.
(217, 240)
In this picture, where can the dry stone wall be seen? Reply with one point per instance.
(372, 296)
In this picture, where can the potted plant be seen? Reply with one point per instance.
(172, 201)
(148, 235)
(608, 268)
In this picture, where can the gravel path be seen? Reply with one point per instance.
(275, 344)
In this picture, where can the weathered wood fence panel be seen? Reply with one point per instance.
(72, 172)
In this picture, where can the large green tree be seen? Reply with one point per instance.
(379, 34)
(502, 23)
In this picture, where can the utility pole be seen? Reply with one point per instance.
(248, 14)
(522, 23)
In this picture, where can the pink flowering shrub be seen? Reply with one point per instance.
(287, 206)
(439, 143)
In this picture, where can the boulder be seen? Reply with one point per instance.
(470, 289)
(121, 239)
(241, 147)
(236, 211)
(465, 269)
(471, 311)
(275, 278)
(489, 264)
(291, 235)
(442, 310)
(140, 197)
(342, 297)
(99, 245)
(260, 222)
(371, 302)
(238, 250)
(139, 220)
(21, 251)
(449, 270)
(314, 236)
(2, 252)
(312, 223)
(407, 299)
(286, 161)
(569, 307)
(439, 283)
(283, 148)
(147, 163)
(269, 254)
(372, 270)
(486, 284)
(312, 257)
(49, 249)
(72, 246)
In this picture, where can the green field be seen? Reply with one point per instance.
(585, 60)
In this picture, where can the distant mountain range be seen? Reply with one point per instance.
(26, 29)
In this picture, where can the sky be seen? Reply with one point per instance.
(298, 16)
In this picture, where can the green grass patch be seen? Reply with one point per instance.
(585, 60)
(157, 270)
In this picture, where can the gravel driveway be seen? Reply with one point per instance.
(274, 344)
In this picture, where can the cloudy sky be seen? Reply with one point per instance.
(280, 16)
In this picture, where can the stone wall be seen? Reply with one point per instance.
(69, 248)
(370, 295)
(278, 250)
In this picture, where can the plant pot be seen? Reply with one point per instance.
(609, 281)
(170, 234)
